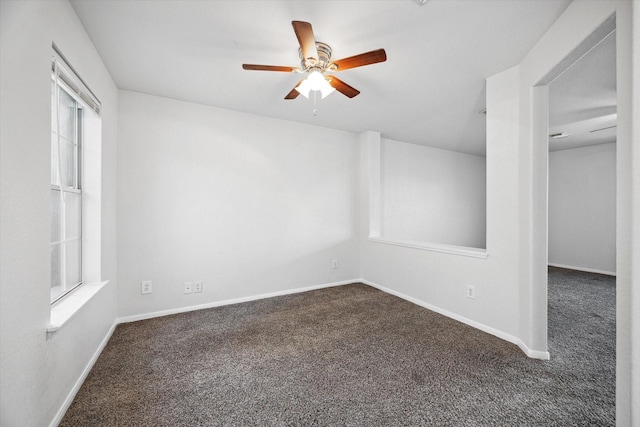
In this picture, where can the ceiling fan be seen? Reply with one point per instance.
(315, 60)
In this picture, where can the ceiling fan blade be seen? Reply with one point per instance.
(307, 41)
(367, 58)
(269, 68)
(342, 87)
(294, 93)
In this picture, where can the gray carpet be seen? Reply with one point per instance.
(355, 356)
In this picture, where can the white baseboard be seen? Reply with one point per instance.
(534, 354)
(585, 269)
(76, 387)
(161, 313)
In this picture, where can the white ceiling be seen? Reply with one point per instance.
(582, 100)
(430, 91)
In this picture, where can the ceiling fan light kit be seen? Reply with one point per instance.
(316, 82)
(315, 61)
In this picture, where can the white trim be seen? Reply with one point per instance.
(56, 187)
(436, 247)
(76, 387)
(168, 312)
(534, 354)
(585, 269)
(73, 80)
(66, 308)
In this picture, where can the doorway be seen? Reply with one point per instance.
(584, 24)
(582, 163)
(581, 182)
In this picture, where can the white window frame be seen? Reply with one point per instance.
(65, 78)
(75, 188)
(65, 308)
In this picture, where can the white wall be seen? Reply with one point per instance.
(247, 204)
(439, 280)
(628, 253)
(511, 289)
(37, 374)
(582, 208)
(432, 195)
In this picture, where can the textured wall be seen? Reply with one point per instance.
(440, 279)
(582, 208)
(433, 195)
(247, 204)
(37, 374)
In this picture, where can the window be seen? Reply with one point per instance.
(75, 196)
(66, 191)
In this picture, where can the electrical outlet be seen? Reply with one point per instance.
(188, 287)
(471, 292)
(146, 287)
(197, 286)
(334, 263)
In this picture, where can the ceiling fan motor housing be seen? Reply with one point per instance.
(322, 64)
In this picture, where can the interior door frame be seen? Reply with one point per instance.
(613, 15)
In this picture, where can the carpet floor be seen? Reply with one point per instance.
(355, 356)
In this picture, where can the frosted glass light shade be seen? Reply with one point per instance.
(326, 89)
(303, 88)
(316, 82)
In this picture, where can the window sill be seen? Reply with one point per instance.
(65, 309)
(436, 247)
